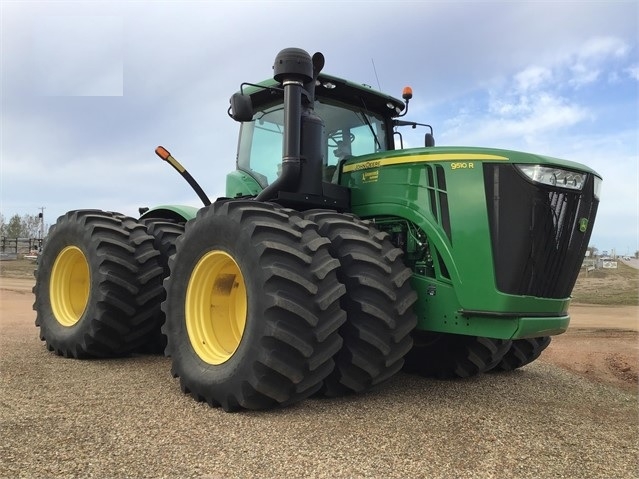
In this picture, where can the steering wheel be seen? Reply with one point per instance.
(334, 139)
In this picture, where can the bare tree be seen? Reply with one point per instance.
(30, 226)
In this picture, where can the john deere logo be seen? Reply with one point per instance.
(583, 225)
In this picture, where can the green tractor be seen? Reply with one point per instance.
(336, 259)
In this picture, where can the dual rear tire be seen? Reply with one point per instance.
(378, 303)
(98, 285)
(253, 307)
(266, 306)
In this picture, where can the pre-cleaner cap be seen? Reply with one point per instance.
(293, 63)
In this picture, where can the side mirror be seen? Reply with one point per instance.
(429, 140)
(241, 107)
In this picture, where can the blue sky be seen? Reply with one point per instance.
(90, 88)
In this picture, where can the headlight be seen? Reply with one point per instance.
(547, 175)
(598, 182)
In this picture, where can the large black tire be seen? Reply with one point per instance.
(522, 352)
(165, 233)
(378, 303)
(98, 285)
(447, 356)
(252, 308)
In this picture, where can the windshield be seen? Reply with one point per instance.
(348, 132)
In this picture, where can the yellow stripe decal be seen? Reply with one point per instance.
(365, 165)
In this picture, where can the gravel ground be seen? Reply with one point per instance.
(128, 418)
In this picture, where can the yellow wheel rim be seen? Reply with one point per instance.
(69, 286)
(215, 307)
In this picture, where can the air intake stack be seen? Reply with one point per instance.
(303, 129)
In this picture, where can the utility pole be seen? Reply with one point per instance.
(41, 216)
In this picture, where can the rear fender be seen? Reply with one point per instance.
(179, 213)
(240, 183)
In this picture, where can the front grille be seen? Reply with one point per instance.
(537, 246)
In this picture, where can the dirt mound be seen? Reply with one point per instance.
(601, 355)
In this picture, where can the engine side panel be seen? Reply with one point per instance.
(434, 204)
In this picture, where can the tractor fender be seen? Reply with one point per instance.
(179, 213)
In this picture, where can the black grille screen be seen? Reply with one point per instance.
(538, 248)
(438, 197)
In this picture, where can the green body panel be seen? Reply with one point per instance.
(453, 265)
(392, 186)
(175, 212)
(464, 300)
(439, 310)
(240, 183)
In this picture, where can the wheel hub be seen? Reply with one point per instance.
(216, 307)
(69, 286)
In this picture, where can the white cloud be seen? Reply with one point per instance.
(601, 48)
(586, 64)
(582, 74)
(532, 78)
(545, 112)
(540, 100)
(524, 122)
(633, 72)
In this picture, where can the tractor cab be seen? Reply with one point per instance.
(356, 121)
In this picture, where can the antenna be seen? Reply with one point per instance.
(379, 87)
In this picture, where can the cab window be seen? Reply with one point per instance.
(348, 132)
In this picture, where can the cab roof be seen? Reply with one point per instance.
(332, 88)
